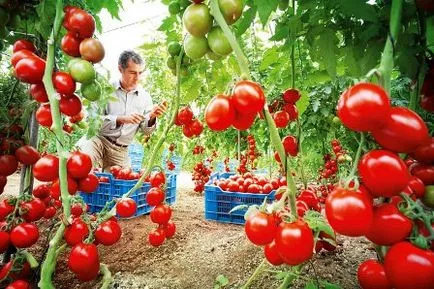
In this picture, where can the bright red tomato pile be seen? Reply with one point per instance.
(191, 126)
(250, 183)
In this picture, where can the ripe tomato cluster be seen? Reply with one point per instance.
(250, 183)
(161, 214)
(125, 173)
(238, 110)
(201, 173)
(191, 126)
(249, 158)
(351, 210)
(284, 110)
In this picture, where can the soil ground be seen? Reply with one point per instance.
(200, 251)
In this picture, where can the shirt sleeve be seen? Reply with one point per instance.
(110, 121)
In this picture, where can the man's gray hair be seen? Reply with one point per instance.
(126, 56)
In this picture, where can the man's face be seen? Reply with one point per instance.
(130, 76)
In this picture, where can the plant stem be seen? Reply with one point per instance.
(107, 278)
(49, 263)
(414, 96)
(300, 154)
(255, 274)
(288, 280)
(30, 259)
(292, 190)
(242, 60)
(386, 65)
(358, 154)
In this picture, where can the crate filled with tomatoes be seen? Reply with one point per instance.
(120, 181)
(225, 191)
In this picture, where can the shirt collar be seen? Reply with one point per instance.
(119, 87)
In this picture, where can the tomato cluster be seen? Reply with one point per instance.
(249, 157)
(250, 183)
(124, 173)
(202, 37)
(200, 177)
(191, 126)
(161, 213)
(289, 111)
(238, 110)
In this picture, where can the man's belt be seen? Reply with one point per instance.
(114, 142)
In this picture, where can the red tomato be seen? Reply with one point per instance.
(76, 232)
(196, 127)
(281, 119)
(220, 113)
(84, 261)
(363, 107)
(79, 165)
(157, 179)
(50, 212)
(291, 95)
(161, 214)
(5, 209)
(290, 145)
(19, 284)
(169, 229)
(155, 196)
(76, 210)
(260, 228)
(88, 184)
(416, 186)
(404, 130)
(383, 173)
(389, 226)
(243, 121)
(55, 187)
(30, 69)
(64, 84)
(17, 56)
(248, 97)
(156, 237)
(77, 118)
(33, 210)
(185, 115)
(349, 212)
(4, 238)
(126, 208)
(71, 44)
(371, 275)
(38, 93)
(292, 111)
(294, 242)
(310, 198)
(21, 44)
(71, 105)
(80, 22)
(425, 152)
(8, 165)
(43, 115)
(272, 255)
(424, 172)
(409, 267)
(108, 233)
(24, 235)
(27, 154)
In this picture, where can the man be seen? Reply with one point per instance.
(132, 111)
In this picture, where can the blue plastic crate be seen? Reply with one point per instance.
(219, 203)
(116, 188)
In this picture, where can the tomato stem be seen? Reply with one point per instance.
(300, 154)
(255, 274)
(292, 190)
(242, 60)
(386, 65)
(107, 278)
(49, 264)
(30, 259)
(358, 154)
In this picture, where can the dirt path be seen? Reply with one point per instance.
(200, 251)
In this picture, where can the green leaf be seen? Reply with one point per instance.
(265, 7)
(46, 10)
(311, 285)
(430, 33)
(303, 102)
(352, 65)
(281, 32)
(270, 57)
(326, 45)
(328, 285)
(246, 21)
(168, 24)
(316, 77)
(317, 222)
(358, 8)
(295, 26)
(222, 280)
(408, 63)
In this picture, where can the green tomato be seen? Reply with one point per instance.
(195, 47)
(218, 42)
(4, 16)
(91, 91)
(336, 121)
(82, 71)
(231, 10)
(174, 8)
(171, 63)
(283, 4)
(174, 48)
(428, 198)
(197, 19)
(214, 56)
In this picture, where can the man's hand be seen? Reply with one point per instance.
(135, 118)
(159, 110)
